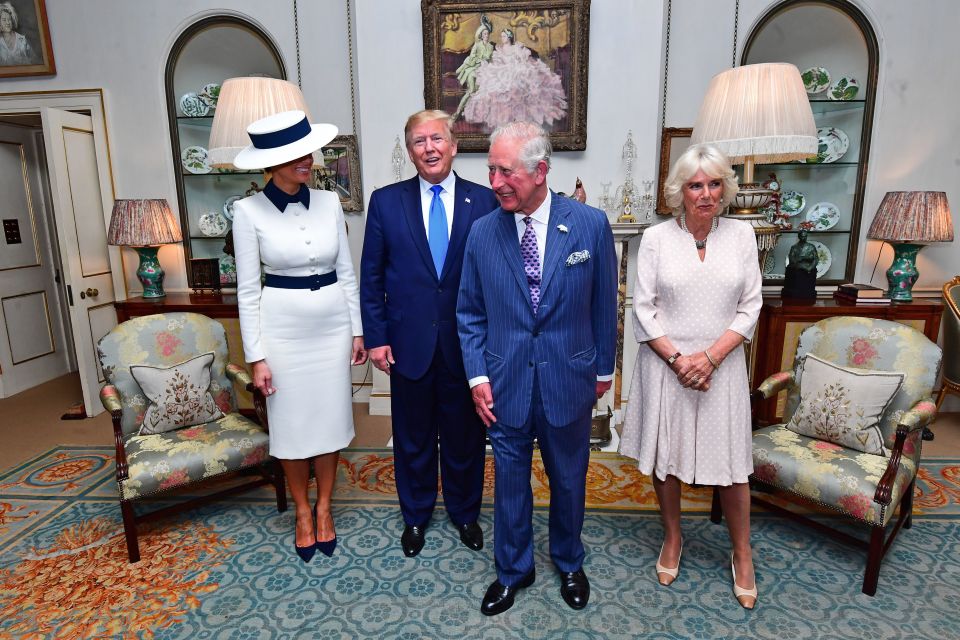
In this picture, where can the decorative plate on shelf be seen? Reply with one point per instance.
(792, 203)
(195, 160)
(845, 88)
(228, 206)
(832, 144)
(210, 94)
(824, 258)
(815, 79)
(228, 269)
(213, 223)
(193, 106)
(823, 216)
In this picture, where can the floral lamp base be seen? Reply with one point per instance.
(903, 272)
(150, 273)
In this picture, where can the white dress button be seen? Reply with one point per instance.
(307, 241)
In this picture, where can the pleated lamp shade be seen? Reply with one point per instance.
(758, 111)
(241, 102)
(917, 217)
(142, 223)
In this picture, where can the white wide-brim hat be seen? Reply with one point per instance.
(281, 138)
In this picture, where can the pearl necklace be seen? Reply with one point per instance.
(701, 244)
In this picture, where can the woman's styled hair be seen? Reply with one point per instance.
(509, 34)
(14, 20)
(536, 142)
(426, 116)
(713, 162)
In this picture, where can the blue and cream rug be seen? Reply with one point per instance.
(227, 571)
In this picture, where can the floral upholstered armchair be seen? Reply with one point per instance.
(169, 391)
(860, 467)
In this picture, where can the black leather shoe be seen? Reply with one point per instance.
(500, 598)
(471, 535)
(412, 540)
(575, 588)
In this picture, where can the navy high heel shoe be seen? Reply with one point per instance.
(327, 547)
(305, 553)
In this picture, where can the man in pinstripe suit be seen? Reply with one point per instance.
(537, 321)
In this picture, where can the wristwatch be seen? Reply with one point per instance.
(673, 358)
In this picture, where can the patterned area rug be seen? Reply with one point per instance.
(227, 570)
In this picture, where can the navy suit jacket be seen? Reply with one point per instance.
(570, 340)
(403, 303)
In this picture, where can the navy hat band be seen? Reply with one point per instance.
(283, 137)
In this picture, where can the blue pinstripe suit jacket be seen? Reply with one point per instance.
(570, 340)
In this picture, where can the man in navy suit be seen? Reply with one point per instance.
(538, 327)
(409, 278)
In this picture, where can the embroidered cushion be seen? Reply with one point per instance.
(179, 395)
(844, 405)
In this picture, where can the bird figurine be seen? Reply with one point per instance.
(579, 194)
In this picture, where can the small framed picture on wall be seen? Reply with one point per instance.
(673, 142)
(25, 48)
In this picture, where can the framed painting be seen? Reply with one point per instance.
(340, 172)
(25, 48)
(673, 142)
(490, 62)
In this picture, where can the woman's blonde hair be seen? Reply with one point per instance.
(713, 162)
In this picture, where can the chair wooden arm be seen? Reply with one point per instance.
(110, 397)
(259, 405)
(773, 385)
(910, 426)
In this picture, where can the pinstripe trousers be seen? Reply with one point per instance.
(565, 451)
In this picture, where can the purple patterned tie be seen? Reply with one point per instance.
(531, 262)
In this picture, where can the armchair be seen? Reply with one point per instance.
(159, 463)
(864, 486)
(950, 383)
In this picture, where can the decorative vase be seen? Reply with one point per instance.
(903, 271)
(150, 273)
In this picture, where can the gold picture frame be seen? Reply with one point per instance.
(545, 42)
(29, 39)
(673, 142)
(341, 172)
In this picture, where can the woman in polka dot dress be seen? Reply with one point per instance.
(696, 299)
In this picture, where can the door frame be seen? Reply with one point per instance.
(90, 101)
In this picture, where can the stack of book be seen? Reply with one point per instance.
(860, 294)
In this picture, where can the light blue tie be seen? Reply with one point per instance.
(437, 235)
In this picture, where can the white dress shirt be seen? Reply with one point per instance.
(446, 197)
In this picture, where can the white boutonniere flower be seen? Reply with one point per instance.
(577, 257)
(562, 228)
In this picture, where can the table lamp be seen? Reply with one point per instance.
(908, 220)
(243, 101)
(757, 113)
(144, 224)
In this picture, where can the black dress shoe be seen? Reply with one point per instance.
(471, 535)
(500, 598)
(575, 588)
(412, 540)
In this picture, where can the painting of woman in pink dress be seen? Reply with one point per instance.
(515, 86)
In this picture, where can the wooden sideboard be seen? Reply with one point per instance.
(782, 321)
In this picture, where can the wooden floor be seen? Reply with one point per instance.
(30, 424)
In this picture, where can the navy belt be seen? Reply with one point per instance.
(300, 282)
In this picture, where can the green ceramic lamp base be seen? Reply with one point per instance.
(150, 273)
(903, 272)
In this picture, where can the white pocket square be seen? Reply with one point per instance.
(577, 257)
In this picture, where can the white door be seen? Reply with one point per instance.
(81, 205)
(33, 345)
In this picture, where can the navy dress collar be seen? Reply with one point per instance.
(281, 199)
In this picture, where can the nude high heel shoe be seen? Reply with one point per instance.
(671, 574)
(746, 597)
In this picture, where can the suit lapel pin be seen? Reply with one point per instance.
(562, 228)
(467, 200)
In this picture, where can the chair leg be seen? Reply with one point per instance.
(906, 504)
(130, 530)
(944, 389)
(874, 557)
(279, 484)
(716, 510)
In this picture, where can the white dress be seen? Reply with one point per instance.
(305, 336)
(701, 437)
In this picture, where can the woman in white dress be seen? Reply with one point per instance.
(301, 328)
(696, 299)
